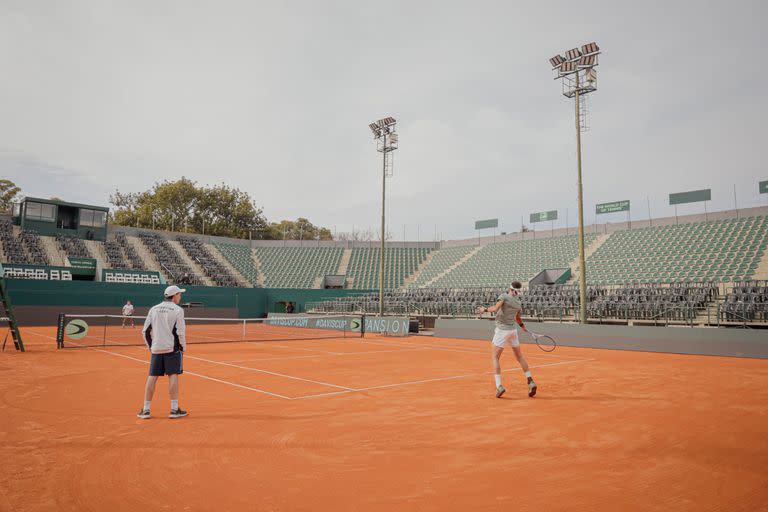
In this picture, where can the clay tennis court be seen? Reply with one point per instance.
(382, 423)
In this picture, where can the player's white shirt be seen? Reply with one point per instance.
(164, 328)
(128, 310)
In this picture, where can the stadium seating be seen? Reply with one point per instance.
(399, 264)
(441, 261)
(73, 247)
(25, 248)
(746, 302)
(130, 252)
(177, 271)
(210, 265)
(297, 267)
(723, 250)
(498, 264)
(679, 303)
(239, 256)
(13, 248)
(115, 256)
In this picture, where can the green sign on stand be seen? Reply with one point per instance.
(616, 206)
(694, 196)
(486, 224)
(764, 187)
(543, 216)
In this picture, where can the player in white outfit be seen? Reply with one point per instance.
(128, 314)
(507, 309)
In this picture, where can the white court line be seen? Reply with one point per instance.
(270, 373)
(393, 351)
(345, 390)
(460, 350)
(438, 379)
(233, 384)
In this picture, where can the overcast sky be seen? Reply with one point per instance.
(275, 98)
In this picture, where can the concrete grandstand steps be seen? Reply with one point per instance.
(97, 251)
(318, 282)
(150, 262)
(344, 263)
(190, 262)
(413, 277)
(588, 251)
(56, 256)
(241, 281)
(450, 269)
(259, 270)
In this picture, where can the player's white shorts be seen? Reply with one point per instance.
(501, 337)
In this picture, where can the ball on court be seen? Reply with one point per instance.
(76, 329)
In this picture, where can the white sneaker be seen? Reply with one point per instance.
(532, 388)
(500, 391)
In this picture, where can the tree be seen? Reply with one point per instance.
(300, 229)
(217, 210)
(8, 192)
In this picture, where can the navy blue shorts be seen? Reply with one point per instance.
(166, 364)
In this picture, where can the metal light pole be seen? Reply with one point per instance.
(386, 142)
(577, 73)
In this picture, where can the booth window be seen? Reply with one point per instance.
(92, 218)
(40, 211)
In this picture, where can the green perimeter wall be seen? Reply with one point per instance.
(110, 297)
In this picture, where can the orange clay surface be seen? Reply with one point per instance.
(382, 424)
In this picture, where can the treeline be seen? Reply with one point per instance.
(217, 210)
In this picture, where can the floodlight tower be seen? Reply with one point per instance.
(386, 142)
(577, 73)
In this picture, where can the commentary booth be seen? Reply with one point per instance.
(53, 217)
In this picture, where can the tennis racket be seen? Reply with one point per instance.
(544, 341)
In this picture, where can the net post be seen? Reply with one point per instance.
(104, 340)
(362, 325)
(243, 333)
(60, 331)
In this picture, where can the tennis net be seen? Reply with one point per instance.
(108, 330)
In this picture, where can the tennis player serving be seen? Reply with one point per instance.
(165, 336)
(507, 309)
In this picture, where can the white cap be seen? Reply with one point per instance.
(173, 290)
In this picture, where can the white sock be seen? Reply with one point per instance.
(174, 405)
(528, 374)
(498, 379)
(147, 404)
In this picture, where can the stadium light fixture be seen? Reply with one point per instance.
(386, 142)
(578, 76)
(556, 61)
(572, 54)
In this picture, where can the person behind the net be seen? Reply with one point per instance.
(507, 309)
(164, 334)
(128, 314)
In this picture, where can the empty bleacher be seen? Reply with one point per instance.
(297, 267)
(174, 267)
(12, 246)
(441, 261)
(399, 264)
(199, 253)
(498, 264)
(115, 256)
(746, 302)
(240, 257)
(723, 250)
(73, 247)
(35, 252)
